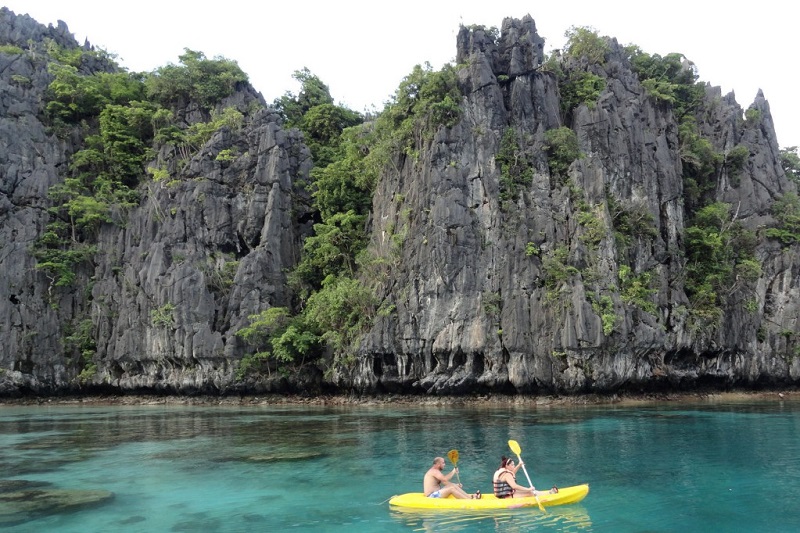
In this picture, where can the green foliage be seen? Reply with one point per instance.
(790, 161)
(669, 79)
(264, 325)
(58, 256)
(701, 163)
(313, 93)
(553, 65)
(254, 363)
(516, 171)
(347, 183)
(162, 317)
(492, 303)
(196, 79)
(342, 309)
(584, 42)
(219, 271)
(591, 219)
(580, 88)
(637, 289)
(335, 306)
(72, 97)
(673, 80)
(720, 260)
(80, 342)
(787, 212)
(630, 220)
(225, 156)
(314, 113)
(294, 343)
(67, 56)
(752, 116)
(424, 101)
(562, 149)
(604, 307)
(323, 126)
(532, 249)
(125, 133)
(279, 336)
(189, 140)
(199, 133)
(556, 270)
(335, 316)
(10, 50)
(736, 159)
(111, 164)
(89, 371)
(331, 251)
(104, 173)
(21, 81)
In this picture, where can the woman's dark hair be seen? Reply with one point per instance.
(504, 461)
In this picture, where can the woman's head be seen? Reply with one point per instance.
(505, 461)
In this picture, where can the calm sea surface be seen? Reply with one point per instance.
(716, 466)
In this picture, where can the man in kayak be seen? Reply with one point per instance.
(505, 483)
(438, 485)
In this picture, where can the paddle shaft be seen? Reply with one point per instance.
(530, 483)
(455, 465)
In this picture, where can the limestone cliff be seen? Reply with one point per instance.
(473, 308)
(171, 283)
(490, 291)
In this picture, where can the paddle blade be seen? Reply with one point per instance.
(514, 445)
(541, 507)
(453, 455)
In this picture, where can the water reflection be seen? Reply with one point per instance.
(563, 518)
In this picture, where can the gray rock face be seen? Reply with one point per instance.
(473, 309)
(208, 251)
(175, 278)
(475, 305)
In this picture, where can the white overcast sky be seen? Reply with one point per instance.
(363, 49)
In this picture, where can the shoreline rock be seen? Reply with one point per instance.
(374, 400)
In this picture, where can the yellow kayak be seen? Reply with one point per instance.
(418, 500)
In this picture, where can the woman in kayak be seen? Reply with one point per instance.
(505, 483)
(438, 485)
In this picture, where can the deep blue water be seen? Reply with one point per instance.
(716, 466)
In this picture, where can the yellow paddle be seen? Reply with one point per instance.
(453, 456)
(514, 445)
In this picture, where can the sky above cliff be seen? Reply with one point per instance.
(363, 50)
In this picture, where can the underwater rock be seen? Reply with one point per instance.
(22, 500)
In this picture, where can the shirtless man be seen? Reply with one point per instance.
(438, 485)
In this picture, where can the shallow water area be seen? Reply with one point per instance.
(705, 466)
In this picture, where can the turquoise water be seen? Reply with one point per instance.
(712, 466)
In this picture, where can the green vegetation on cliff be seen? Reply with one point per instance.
(335, 278)
(129, 120)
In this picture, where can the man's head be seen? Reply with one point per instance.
(439, 463)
